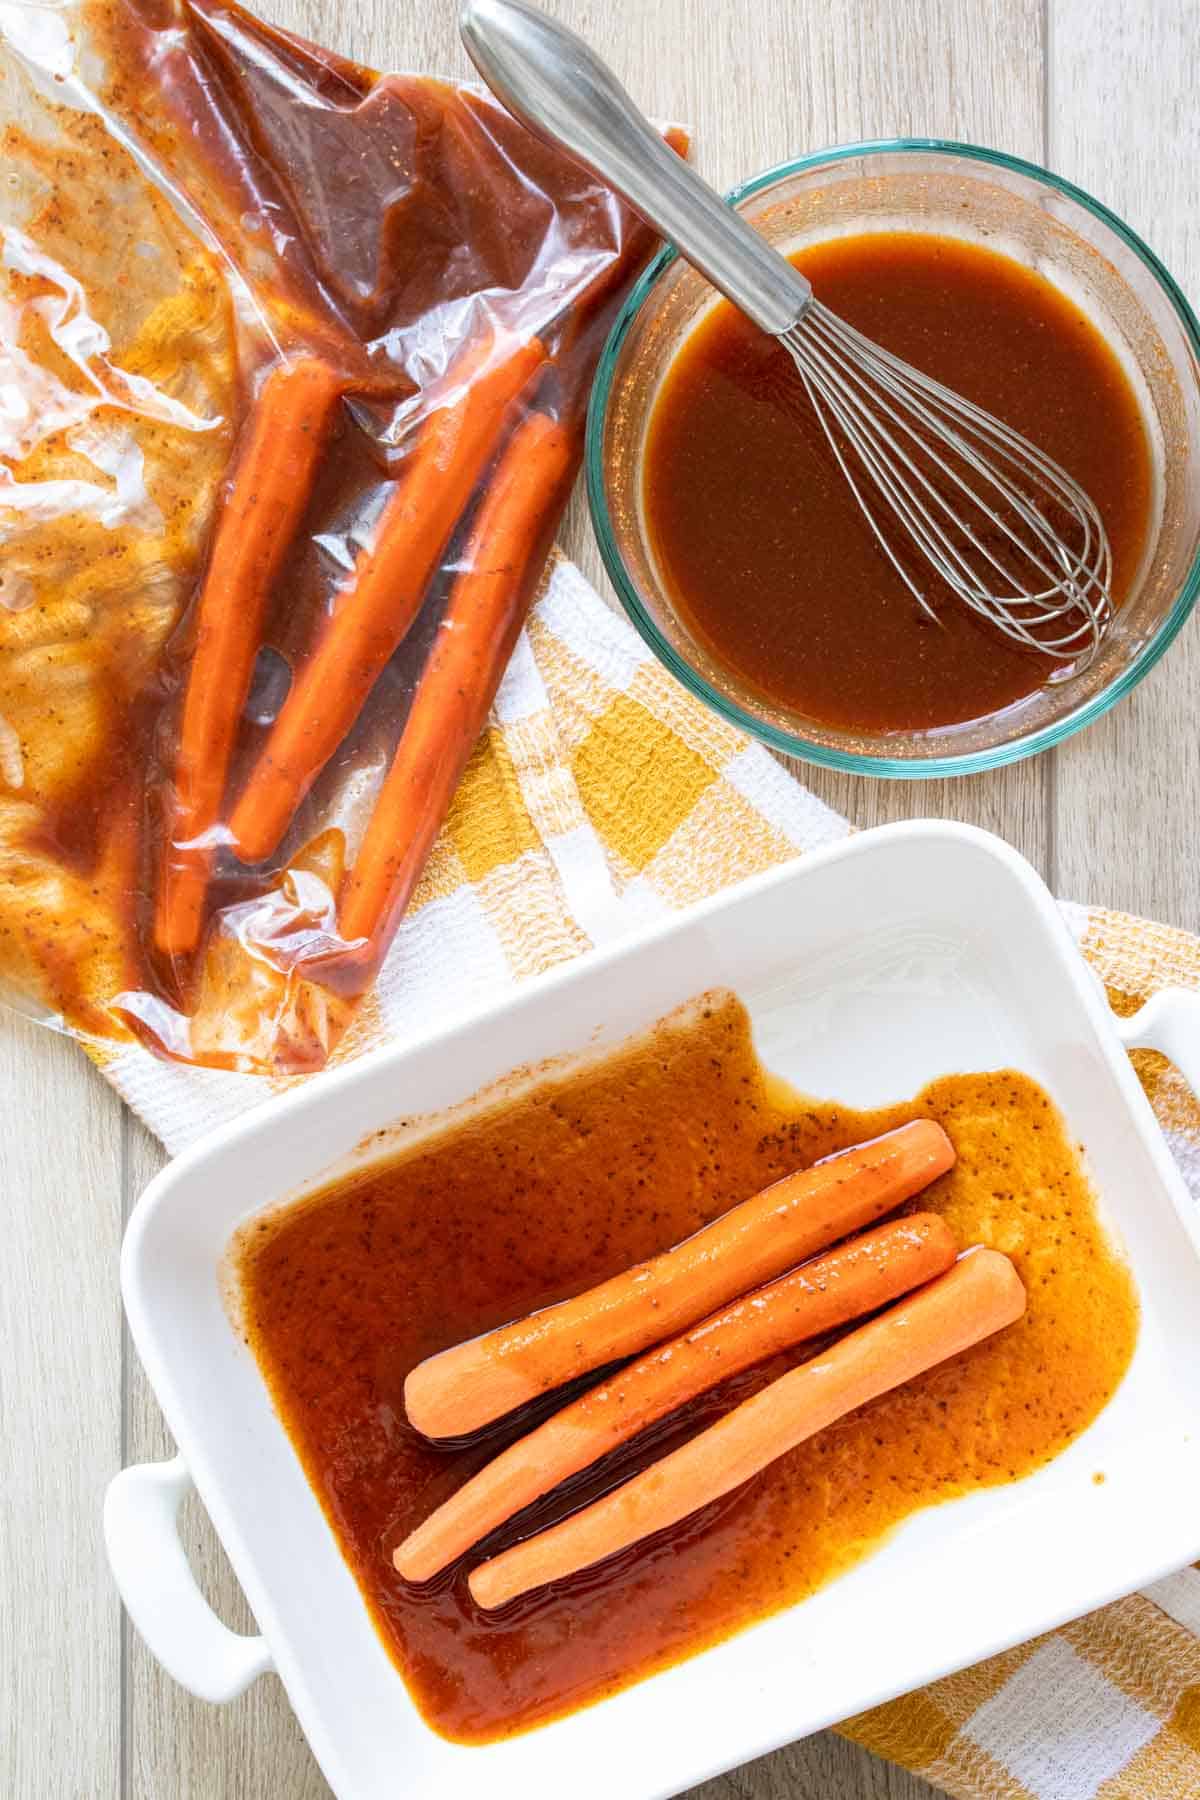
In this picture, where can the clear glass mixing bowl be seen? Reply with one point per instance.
(985, 197)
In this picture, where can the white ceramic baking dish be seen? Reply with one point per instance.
(867, 968)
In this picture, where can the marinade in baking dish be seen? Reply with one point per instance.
(543, 1191)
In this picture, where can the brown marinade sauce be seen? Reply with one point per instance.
(577, 1176)
(759, 538)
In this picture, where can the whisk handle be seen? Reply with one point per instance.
(549, 79)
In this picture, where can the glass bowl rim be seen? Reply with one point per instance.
(791, 744)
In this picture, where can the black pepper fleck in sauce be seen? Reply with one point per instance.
(758, 535)
(573, 1180)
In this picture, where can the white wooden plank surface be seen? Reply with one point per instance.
(83, 1709)
(61, 1151)
(1122, 122)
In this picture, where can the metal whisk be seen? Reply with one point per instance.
(1007, 530)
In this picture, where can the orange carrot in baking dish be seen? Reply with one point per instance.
(980, 1295)
(501, 561)
(276, 466)
(857, 1278)
(466, 1387)
(379, 602)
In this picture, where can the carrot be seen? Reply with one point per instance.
(980, 1295)
(857, 1278)
(501, 561)
(273, 479)
(376, 607)
(466, 1387)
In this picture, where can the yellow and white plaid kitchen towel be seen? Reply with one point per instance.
(602, 796)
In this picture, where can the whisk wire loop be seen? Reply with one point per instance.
(859, 374)
(971, 494)
(947, 557)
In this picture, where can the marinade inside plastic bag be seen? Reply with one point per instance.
(193, 199)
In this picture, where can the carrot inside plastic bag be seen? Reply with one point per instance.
(278, 334)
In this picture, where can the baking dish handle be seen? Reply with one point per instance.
(1169, 1022)
(160, 1593)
